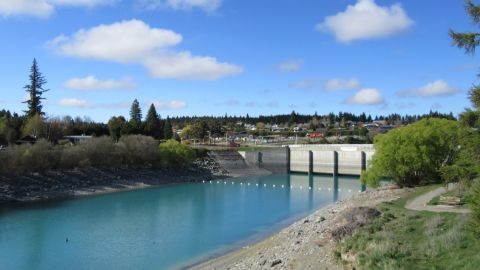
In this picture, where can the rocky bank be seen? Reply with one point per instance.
(86, 181)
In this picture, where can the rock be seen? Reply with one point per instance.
(322, 219)
(262, 263)
(276, 262)
(306, 221)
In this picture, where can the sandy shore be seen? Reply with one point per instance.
(306, 244)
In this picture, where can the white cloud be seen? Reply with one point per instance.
(292, 65)
(366, 20)
(44, 8)
(306, 84)
(75, 103)
(169, 105)
(207, 5)
(433, 89)
(184, 66)
(124, 41)
(367, 96)
(37, 8)
(91, 83)
(85, 104)
(136, 42)
(341, 84)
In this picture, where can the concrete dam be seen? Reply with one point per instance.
(335, 159)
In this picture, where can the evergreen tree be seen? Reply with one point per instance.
(152, 123)
(35, 90)
(167, 129)
(135, 116)
(293, 119)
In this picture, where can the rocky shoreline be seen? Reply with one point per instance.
(308, 244)
(64, 184)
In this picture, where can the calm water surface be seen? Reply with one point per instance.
(159, 228)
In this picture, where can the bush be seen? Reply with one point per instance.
(414, 154)
(176, 155)
(98, 152)
(138, 150)
(474, 200)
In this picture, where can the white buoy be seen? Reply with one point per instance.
(283, 186)
(273, 185)
(349, 191)
(241, 183)
(309, 187)
(248, 184)
(329, 189)
(265, 185)
(339, 190)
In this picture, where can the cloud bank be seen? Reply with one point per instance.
(44, 8)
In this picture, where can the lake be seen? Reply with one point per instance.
(163, 227)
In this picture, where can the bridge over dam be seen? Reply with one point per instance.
(335, 159)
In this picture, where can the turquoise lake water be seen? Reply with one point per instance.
(160, 228)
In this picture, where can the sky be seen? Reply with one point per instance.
(217, 57)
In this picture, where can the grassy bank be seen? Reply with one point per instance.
(405, 239)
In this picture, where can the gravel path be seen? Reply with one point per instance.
(306, 244)
(420, 203)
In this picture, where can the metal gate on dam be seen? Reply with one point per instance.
(336, 159)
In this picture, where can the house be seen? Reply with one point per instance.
(77, 138)
(27, 139)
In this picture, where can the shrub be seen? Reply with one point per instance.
(98, 152)
(176, 155)
(415, 153)
(138, 150)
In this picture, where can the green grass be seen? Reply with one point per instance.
(405, 239)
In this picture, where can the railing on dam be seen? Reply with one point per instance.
(343, 159)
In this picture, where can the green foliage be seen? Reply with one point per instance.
(135, 117)
(153, 124)
(474, 201)
(35, 126)
(117, 127)
(167, 129)
(35, 90)
(176, 155)
(414, 154)
(98, 152)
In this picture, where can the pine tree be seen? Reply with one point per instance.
(167, 129)
(35, 90)
(469, 42)
(135, 116)
(152, 123)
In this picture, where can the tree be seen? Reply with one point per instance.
(35, 90)
(414, 154)
(167, 129)
(35, 126)
(199, 129)
(293, 119)
(135, 116)
(175, 154)
(116, 127)
(152, 123)
(467, 167)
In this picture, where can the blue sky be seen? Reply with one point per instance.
(211, 57)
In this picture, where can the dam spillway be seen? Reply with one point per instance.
(342, 159)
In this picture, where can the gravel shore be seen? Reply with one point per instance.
(306, 244)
